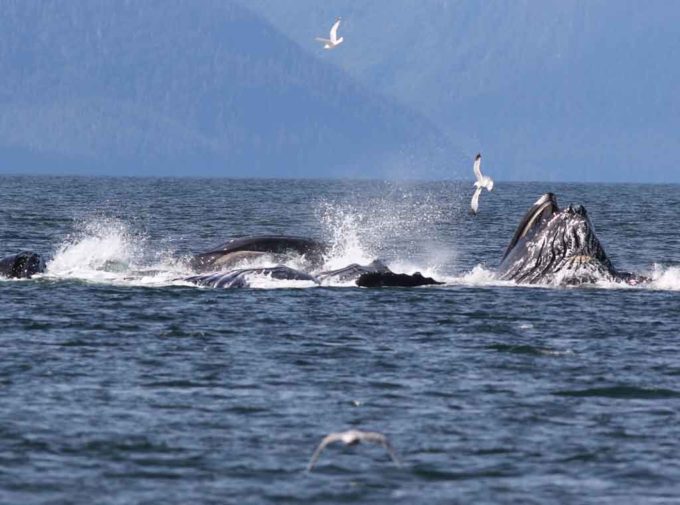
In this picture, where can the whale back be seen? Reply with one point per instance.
(353, 272)
(312, 250)
(239, 278)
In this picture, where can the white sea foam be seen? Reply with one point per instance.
(345, 228)
(395, 228)
(480, 275)
(665, 278)
(264, 281)
(106, 250)
(662, 279)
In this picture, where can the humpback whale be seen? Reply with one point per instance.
(354, 271)
(217, 266)
(390, 279)
(374, 275)
(22, 266)
(239, 278)
(238, 249)
(553, 246)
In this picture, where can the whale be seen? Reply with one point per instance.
(241, 249)
(374, 275)
(558, 246)
(351, 273)
(391, 279)
(239, 278)
(217, 267)
(23, 265)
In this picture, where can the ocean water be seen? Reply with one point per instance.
(120, 383)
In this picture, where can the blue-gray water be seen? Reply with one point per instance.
(120, 385)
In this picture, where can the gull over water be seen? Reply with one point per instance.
(354, 437)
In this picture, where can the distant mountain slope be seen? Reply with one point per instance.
(562, 89)
(191, 88)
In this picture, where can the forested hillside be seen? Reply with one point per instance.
(547, 89)
(191, 88)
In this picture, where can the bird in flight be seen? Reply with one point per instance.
(483, 181)
(333, 41)
(353, 437)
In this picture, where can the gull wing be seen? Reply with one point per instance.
(379, 438)
(393, 454)
(474, 204)
(325, 41)
(334, 31)
(328, 439)
(477, 167)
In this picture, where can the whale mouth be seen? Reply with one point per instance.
(580, 259)
(556, 246)
(540, 212)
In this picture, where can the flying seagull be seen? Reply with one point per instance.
(483, 181)
(353, 437)
(333, 41)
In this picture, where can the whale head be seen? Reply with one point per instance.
(553, 246)
(22, 266)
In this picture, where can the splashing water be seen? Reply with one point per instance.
(345, 227)
(665, 278)
(264, 281)
(395, 228)
(106, 250)
(104, 246)
(481, 276)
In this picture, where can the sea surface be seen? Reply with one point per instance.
(122, 384)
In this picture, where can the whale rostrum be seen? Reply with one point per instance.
(553, 246)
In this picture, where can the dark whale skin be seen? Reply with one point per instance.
(353, 272)
(390, 279)
(239, 278)
(312, 249)
(23, 265)
(559, 247)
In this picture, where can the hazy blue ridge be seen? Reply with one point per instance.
(185, 88)
(547, 89)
